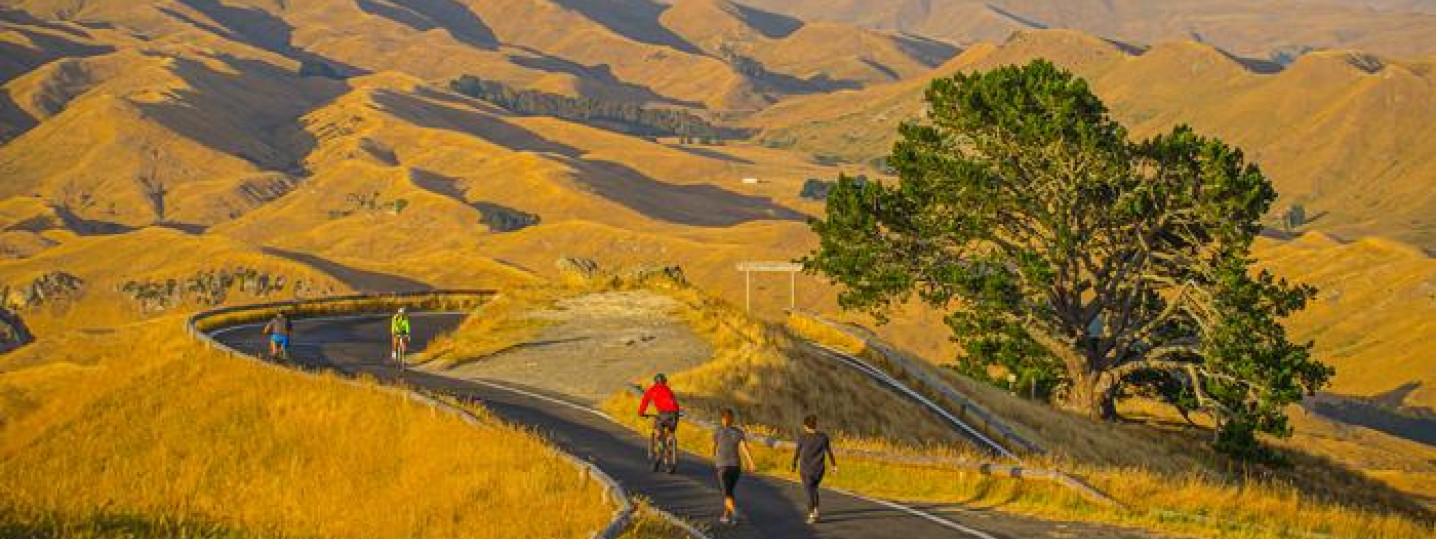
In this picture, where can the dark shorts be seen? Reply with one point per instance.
(667, 420)
(728, 479)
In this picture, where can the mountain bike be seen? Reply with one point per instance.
(663, 447)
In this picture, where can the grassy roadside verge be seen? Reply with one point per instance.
(141, 432)
(493, 327)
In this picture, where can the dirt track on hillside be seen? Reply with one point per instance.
(594, 345)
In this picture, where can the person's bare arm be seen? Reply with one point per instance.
(832, 457)
(743, 450)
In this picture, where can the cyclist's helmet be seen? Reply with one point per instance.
(401, 310)
(660, 378)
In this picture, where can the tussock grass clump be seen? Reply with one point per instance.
(650, 524)
(140, 432)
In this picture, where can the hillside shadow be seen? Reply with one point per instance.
(422, 15)
(16, 333)
(497, 217)
(1022, 20)
(771, 25)
(359, 280)
(1386, 412)
(601, 74)
(19, 16)
(930, 52)
(710, 154)
(270, 135)
(636, 20)
(17, 59)
(691, 205)
(256, 27)
(13, 121)
(90, 227)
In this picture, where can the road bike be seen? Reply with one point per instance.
(663, 447)
(399, 350)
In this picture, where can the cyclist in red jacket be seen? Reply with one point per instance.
(662, 399)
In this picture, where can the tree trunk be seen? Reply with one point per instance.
(1093, 394)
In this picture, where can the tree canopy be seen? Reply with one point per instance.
(1084, 263)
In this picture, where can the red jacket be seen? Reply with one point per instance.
(661, 397)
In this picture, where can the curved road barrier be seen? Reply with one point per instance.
(199, 324)
(906, 367)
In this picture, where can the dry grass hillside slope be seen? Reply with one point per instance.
(137, 431)
(1349, 136)
(615, 49)
(1375, 317)
(1262, 28)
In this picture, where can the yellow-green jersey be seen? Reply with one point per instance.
(399, 325)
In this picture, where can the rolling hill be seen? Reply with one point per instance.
(1347, 135)
(634, 50)
(1267, 29)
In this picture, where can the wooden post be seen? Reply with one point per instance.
(769, 267)
(792, 291)
(748, 291)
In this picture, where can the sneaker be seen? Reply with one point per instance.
(813, 517)
(725, 520)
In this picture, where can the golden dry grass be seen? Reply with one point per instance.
(493, 327)
(649, 524)
(758, 371)
(138, 432)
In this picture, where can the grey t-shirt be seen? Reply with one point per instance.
(725, 442)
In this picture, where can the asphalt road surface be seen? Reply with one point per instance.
(770, 508)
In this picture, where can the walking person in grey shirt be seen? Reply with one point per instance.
(730, 452)
(813, 448)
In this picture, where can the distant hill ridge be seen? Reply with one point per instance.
(1348, 135)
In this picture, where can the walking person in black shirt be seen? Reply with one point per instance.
(730, 452)
(813, 449)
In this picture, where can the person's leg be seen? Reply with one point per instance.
(810, 486)
(728, 481)
(733, 493)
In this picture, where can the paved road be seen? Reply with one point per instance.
(773, 508)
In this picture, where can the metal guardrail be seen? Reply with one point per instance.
(908, 367)
(612, 491)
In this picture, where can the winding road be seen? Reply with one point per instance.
(772, 508)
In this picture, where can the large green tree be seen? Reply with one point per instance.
(1057, 245)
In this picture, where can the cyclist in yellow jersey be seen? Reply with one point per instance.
(399, 334)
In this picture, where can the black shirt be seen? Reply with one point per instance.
(813, 448)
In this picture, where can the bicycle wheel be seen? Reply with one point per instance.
(671, 453)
